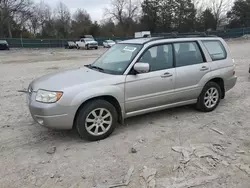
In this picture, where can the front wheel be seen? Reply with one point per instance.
(209, 98)
(96, 120)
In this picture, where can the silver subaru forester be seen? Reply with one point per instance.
(134, 77)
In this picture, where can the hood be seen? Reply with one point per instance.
(111, 43)
(70, 78)
(91, 42)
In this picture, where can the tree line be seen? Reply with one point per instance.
(24, 18)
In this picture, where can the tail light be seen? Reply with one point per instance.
(233, 73)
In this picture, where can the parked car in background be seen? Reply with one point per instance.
(108, 43)
(4, 45)
(134, 77)
(142, 34)
(70, 45)
(117, 41)
(87, 43)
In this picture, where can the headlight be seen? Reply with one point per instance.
(48, 96)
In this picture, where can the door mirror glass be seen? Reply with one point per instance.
(141, 67)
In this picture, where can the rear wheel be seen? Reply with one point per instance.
(96, 120)
(209, 98)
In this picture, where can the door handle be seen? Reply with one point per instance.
(167, 74)
(204, 68)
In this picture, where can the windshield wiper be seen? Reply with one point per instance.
(95, 67)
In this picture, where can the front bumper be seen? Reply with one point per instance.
(92, 45)
(54, 116)
(4, 47)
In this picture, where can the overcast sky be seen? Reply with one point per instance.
(93, 7)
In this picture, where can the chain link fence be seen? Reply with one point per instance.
(59, 43)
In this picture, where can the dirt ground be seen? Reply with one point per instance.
(175, 148)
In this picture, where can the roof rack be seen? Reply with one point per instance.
(180, 35)
(185, 35)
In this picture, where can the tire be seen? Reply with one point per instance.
(87, 113)
(77, 47)
(87, 47)
(205, 103)
(96, 48)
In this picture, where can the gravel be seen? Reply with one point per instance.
(24, 144)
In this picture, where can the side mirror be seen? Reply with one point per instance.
(141, 67)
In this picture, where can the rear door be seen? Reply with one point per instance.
(191, 69)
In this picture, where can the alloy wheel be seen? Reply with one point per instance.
(98, 121)
(211, 97)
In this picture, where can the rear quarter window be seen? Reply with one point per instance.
(216, 50)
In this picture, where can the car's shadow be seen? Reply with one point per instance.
(134, 123)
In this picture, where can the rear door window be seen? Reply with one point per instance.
(216, 50)
(187, 53)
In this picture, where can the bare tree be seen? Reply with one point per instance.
(199, 5)
(40, 13)
(18, 10)
(81, 23)
(81, 15)
(124, 13)
(220, 9)
(121, 10)
(62, 12)
(62, 20)
(44, 13)
(33, 22)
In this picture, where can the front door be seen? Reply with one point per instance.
(155, 88)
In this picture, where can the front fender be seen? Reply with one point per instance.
(114, 91)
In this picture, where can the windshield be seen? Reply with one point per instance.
(3, 42)
(89, 39)
(117, 58)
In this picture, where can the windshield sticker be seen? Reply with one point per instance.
(129, 49)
